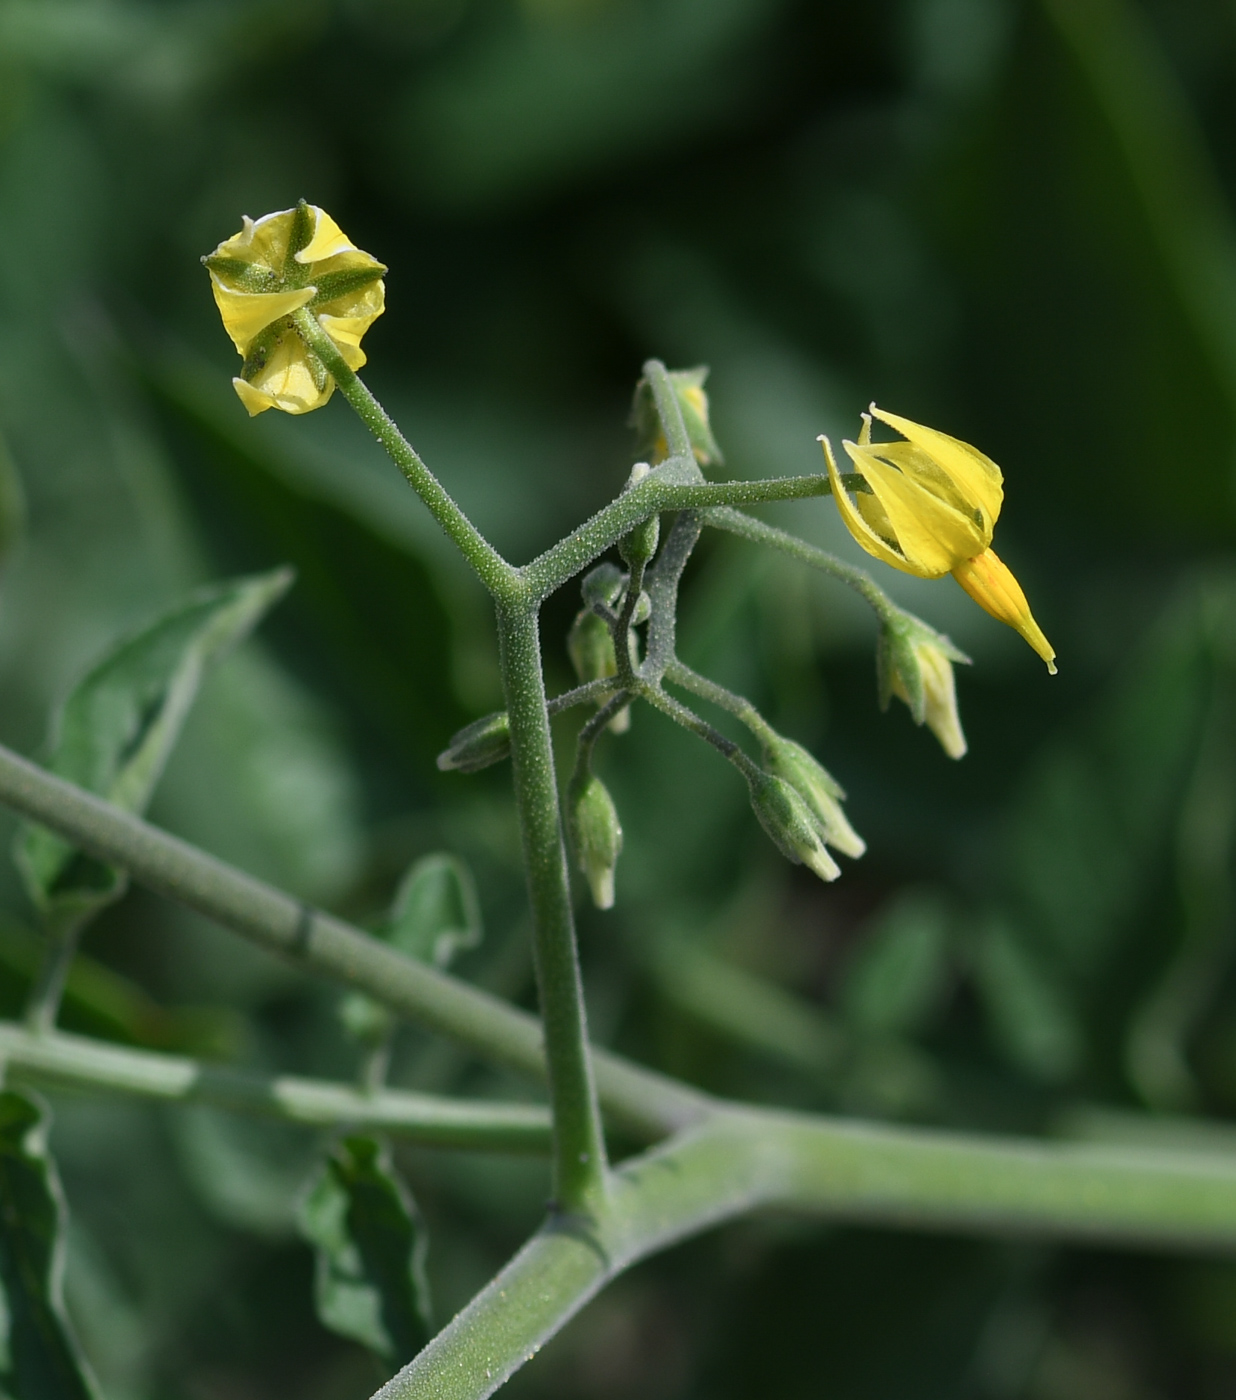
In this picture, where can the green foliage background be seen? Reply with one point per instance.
(1009, 218)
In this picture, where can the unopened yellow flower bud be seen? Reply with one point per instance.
(275, 266)
(693, 402)
(915, 664)
(929, 507)
(596, 837)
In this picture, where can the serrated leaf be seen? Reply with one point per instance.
(39, 1356)
(369, 1283)
(115, 731)
(436, 914)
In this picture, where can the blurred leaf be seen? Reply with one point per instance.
(1029, 1015)
(12, 503)
(370, 1281)
(40, 1357)
(114, 733)
(436, 914)
(896, 977)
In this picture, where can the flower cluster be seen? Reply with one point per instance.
(928, 506)
(270, 270)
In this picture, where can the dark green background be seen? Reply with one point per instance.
(1010, 220)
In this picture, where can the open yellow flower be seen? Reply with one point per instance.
(927, 506)
(274, 266)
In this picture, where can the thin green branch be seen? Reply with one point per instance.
(663, 489)
(669, 411)
(56, 1060)
(737, 523)
(579, 1144)
(582, 694)
(663, 580)
(745, 1160)
(682, 714)
(497, 575)
(640, 1101)
(737, 705)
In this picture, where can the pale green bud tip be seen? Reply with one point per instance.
(792, 825)
(591, 648)
(478, 745)
(596, 835)
(916, 665)
(819, 790)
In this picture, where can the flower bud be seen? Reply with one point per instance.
(640, 544)
(789, 761)
(591, 648)
(478, 745)
(915, 664)
(273, 267)
(596, 837)
(693, 401)
(791, 824)
(602, 585)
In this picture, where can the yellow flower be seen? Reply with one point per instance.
(927, 506)
(274, 266)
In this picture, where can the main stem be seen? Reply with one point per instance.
(580, 1170)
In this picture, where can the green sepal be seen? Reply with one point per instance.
(596, 837)
(299, 238)
(245, 276)
(649, 434)
(591, 648)
(338, 284)
(370, 1242)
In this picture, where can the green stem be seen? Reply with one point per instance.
(62, 934)
(53, 1059)
(681, 714)
(497, 575)
(669, 411)
(622, 627)
(644, 1103)
(579, 1145)
(737, 705)
(744, 1160)
(660, 491)
(749, 528)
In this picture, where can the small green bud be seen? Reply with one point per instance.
(819, 790)
(596, 836)
(364, 1019)
(693, 401)
(791, 824)
(915, 663)
(640, 544)
(478, 745)
(591, 648)
(602, 584)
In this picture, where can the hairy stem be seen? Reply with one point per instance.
(640, 1101)
(745, 1160)
(494, 571)
(54, 1059)
(737, 705)
(579, 1145)
(738, 523)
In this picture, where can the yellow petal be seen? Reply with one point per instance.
(854, 522)
(253, 399)
(247, 314)
(328, 239)
(988, 581)
(290, 379)
(976, 474)
(933, 535)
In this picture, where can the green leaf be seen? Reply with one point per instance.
(39, 1357)
(370, 1242)
(115, 732)
(436, 914)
